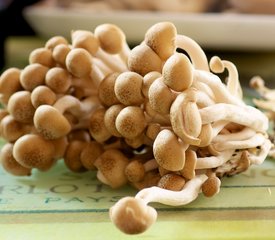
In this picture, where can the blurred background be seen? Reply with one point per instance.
(237, 30)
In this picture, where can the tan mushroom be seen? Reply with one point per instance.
(42, 95)
(169, 151)
(42, 56)
(54, 41)
(33, 151)
(111, 167)
(9, 163)
(171, 181)
(9, 84)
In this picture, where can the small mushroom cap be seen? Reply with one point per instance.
(171, 181)
(110, 119)
(11, 129)
(42, 95)
(86, 40)
(54, 41)
(50, 122)
(10, 164)
(169, 151)
(9, 83)
(211, 186)
(111, 37)
(90, 153)
(148, 79)
(132, 215)
(97, 127)
(142, 60)
(33, 151)
(128, 87)
(72, 156)
(161, 37)
(58, 79)
(79, 62)
(106, 93)
(33, 75)
(130, 122)
(178, 72)
(20, 107)
(112, 164)
(42, 56)
(135, 171)
(216, 64)
(160, 97)
(60, 53)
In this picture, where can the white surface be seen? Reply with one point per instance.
(214, 31)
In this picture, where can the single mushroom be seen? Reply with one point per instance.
(55, 41)
(32, 76)
(133, 215)
(42, 95)
(9, 163)
(128, 88)
(33, 151)
(9, 84)
(171, 181)
(169, 151)
(90, 153)
(42, 56)
(111, 167)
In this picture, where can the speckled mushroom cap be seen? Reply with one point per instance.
(44, 118)
(33, 151)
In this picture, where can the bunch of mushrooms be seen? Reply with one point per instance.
(152, 117)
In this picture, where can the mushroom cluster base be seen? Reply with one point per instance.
(153, 117)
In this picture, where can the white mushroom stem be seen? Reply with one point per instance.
(268, 105)
(188, 194)
(214, 161)
(241, 135)
(195, 52)
(244, 115)
(75, 106)
(112, 62)
(259, 158)
(259, 85)
(203, 87)
(254, 141)
(218, 126)
(233, 84)
(222, 95)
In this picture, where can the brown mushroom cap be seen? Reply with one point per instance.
(106, 93)
(33, 151)
(110, 119)
(90, 153)
(85, 40)
(161, 37)
(9, 84)
(42, 95)
(58, 79)
(11, 129)
(169, 151)
(49, 122)
(79, 62)
(97, 127)
(20, 107)
(111, 37)
(171, 181)
(132, 215)
(178, 72)
(160, 97)
(128, 87)
(10, 164)
(211, 186)
(112, 164)
(148, 79)
(130, 122)
(54, 41)
(72, 156)
(42, 56)
(32, 76)
(135, 171)
(142, 60)
(60, 53)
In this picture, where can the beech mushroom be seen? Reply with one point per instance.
(9, 84)
(42, 56)
(42, 95)
(133, 215)
(111, 166)
(33, 151)
(169, 151)
(10, 164)
(32, 76)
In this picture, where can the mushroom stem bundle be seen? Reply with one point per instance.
(154, 117)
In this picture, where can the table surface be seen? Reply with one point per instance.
(59, 204)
